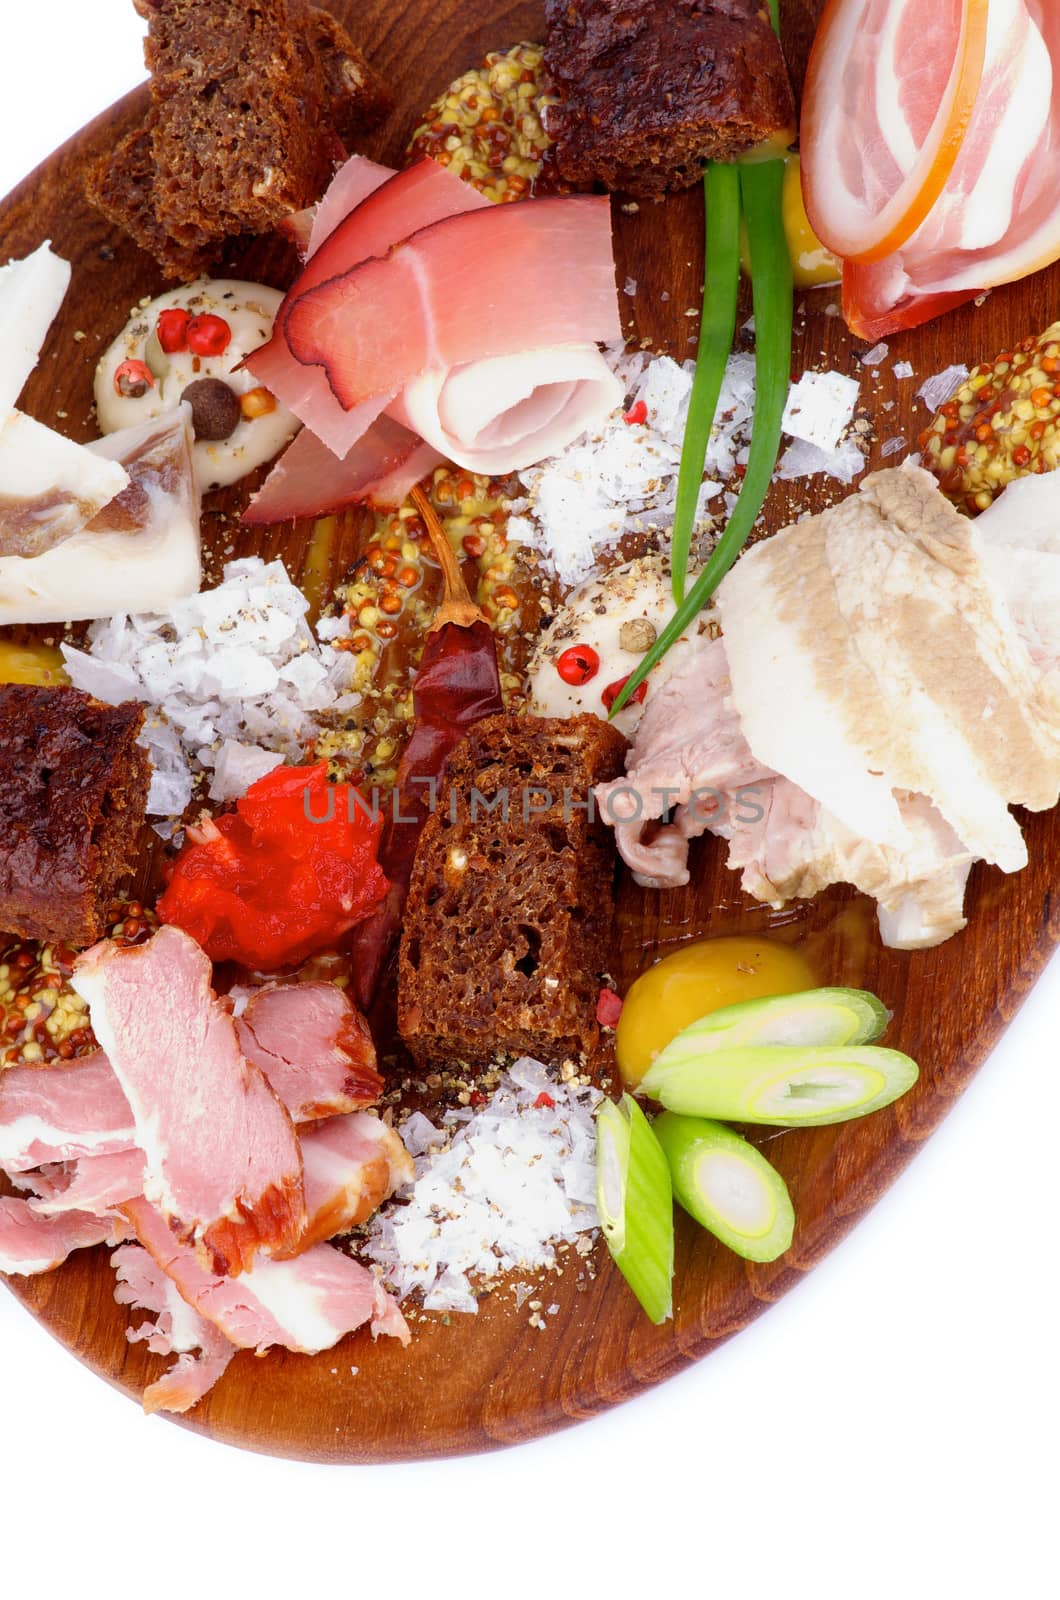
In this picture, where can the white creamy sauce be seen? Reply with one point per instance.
(249, 309)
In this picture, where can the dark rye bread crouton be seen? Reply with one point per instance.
(73, 790)
(653, 89)
(253, 101)
(508, 929)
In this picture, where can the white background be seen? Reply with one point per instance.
(888, 1429)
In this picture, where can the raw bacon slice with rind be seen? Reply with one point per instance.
(475, 286)
(997, 218)
(889, 93)
(222, 1158)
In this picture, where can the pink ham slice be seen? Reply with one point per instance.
(354, 182)
(30, 1244)
(315, 1049)
(94, 1184)
(307, 1304)
(176, 1330)
(352, 1164)
(62, 1113)
(487, 283)
(222, 1158)
(308, 480)
(413, 199)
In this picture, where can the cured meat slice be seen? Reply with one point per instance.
(314, 1047)
(62, 1113)
(401, 204)
(176, 1330)
(50, 487)
(307, 1304)
(352, 1164)
(30, 1244)
(354, 182)
(94, 1184)
(222, 1159)
(309, 480)
(890, 90)
(488, 283)
(502, 414)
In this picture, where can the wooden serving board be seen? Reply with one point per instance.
(492, 1380)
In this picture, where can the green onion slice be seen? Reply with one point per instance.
(761, 185)
(728, 1186)
(721, 288)
(809, 1017)
(786, 1086)
(634, 1198)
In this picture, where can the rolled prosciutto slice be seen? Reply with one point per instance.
(313, 1046)
(222, 1158)
(495, 282)
(506, 412)
(176, 1329)
(388, 212)
(307, 1304)
(30, 1244)
(62, 1113)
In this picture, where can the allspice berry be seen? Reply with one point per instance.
(215, 409)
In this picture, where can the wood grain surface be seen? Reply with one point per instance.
(493, 1380)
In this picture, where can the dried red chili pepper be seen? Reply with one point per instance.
(457, 684)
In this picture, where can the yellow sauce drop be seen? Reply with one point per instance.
(698, 978)
(318, 565)
(812, 265)
(36, 663)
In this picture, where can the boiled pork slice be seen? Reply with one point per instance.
(868, 654)
(222, 1158)
(884, 690)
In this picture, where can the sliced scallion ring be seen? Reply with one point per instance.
(808, 1017)
(784, 1086)
(727, 1185)
(634, 1198)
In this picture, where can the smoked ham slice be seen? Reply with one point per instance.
(315, 1049)
(176, 1330)
(488, 283)
(31, 1244)
(93, 1183)
(928, 203)
(62, 1113)
(352, 1164)
(307, 1304)
(222, 1159)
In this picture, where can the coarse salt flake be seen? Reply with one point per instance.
(494, 1190)
(819, 407)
